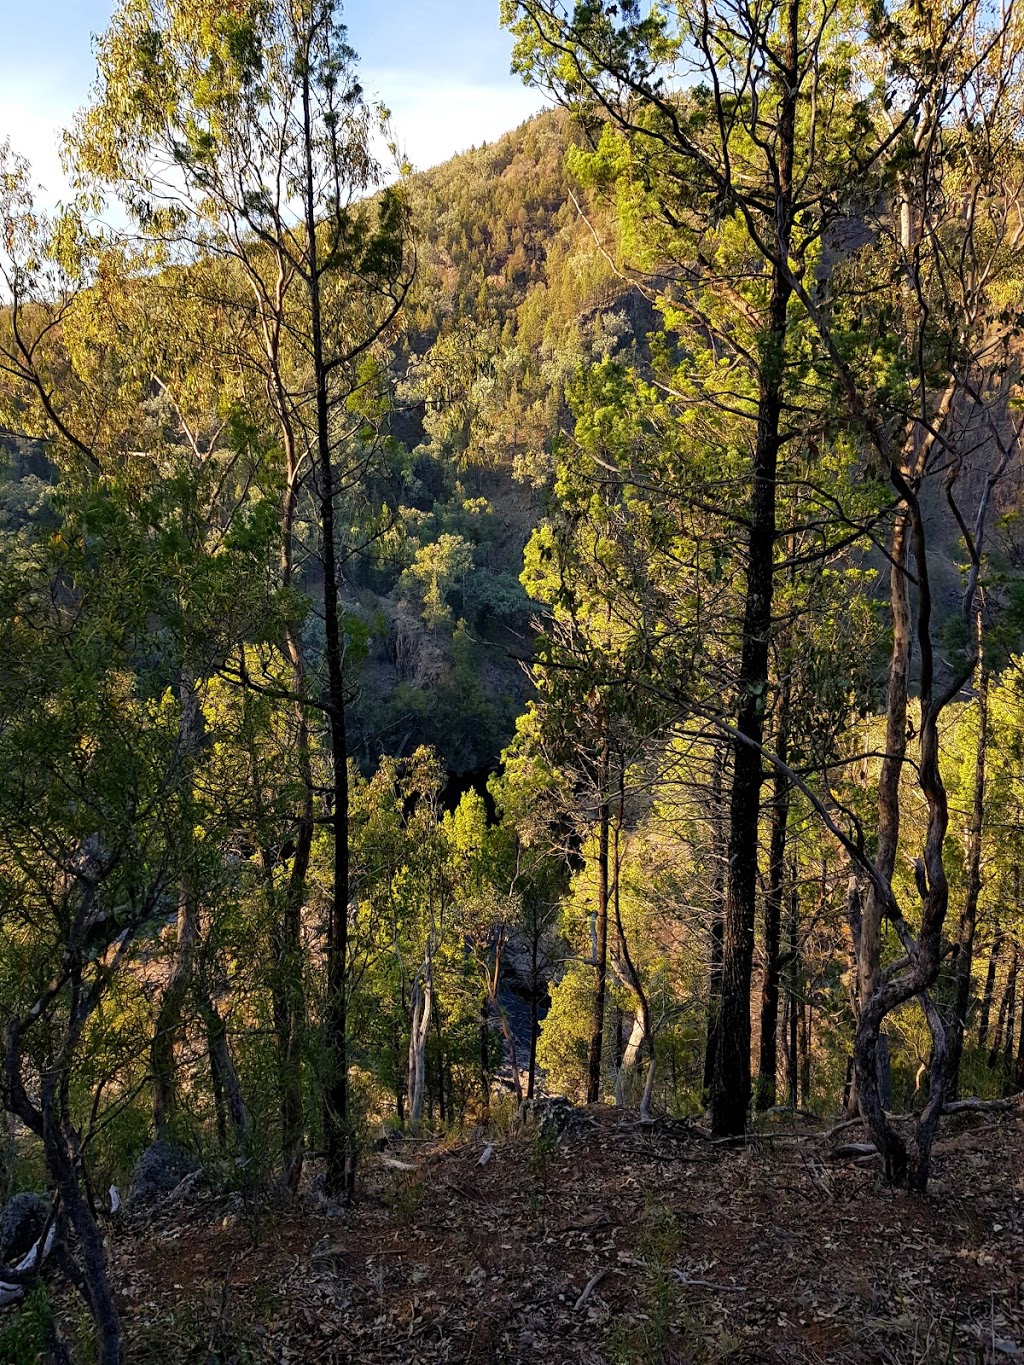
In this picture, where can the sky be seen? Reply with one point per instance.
(441, 67)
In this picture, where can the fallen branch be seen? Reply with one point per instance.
(975, 1106)
(681, 1278)
(856, 1149)
(745, 1139)
(591, 1285)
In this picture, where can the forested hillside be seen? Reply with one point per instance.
(521, 664)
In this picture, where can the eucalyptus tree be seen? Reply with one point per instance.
(240, 142)
(710, 119)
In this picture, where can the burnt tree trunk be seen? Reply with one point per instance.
(730, 1089)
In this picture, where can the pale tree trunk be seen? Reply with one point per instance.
(420, 1006)
(643, 1029)
(630, 1054)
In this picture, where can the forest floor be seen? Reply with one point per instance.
(606, 1243)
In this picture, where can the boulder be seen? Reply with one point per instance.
(22, 1221)
(161, 1168)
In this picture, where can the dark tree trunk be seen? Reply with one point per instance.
(990, 978)
(340, 1137)
(806, 1021)
(1011, 1019)
(730, 1090)
(718, 853)
(531, 1079)
(793, 1005)
(969, 916)
(769, 1048)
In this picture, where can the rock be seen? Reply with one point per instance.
(552, 1116)
(160, 1170)
(22, 1221)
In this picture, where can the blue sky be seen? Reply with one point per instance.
(441, 66)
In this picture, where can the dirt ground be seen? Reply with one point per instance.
(602, 1244)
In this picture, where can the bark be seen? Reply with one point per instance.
(769, 1047)
(969, 915)
(730, 1090)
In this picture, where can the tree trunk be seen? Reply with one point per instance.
(601, 945)
(793, 1001)
(718, 853)
(730, 1090)
(806, 1018)
(534, 1008)
(768, 1061)
(223, 1065)
(969, 916)
(990, 977)
(1011, 1019)
(167, 1029)
(419, 1031)
(872, 909)
(340, 1138)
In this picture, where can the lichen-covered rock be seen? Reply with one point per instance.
(161, 1168)
(22, 1221)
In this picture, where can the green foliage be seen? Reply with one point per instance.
(26, 1337)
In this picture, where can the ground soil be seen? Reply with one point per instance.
(604, 1243)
